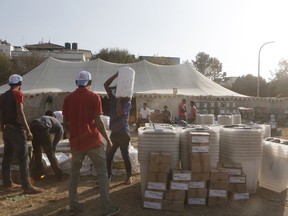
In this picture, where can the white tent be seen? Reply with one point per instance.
(59, 76)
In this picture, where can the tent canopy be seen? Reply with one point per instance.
(59, 76)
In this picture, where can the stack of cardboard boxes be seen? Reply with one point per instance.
(237, 180)
(200, 167)
(165, 190)
(218, 187)
(168, 189)
(178, 185)
(158, 171)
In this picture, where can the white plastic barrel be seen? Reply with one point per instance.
(125, 82)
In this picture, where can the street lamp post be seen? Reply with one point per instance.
(258, 80)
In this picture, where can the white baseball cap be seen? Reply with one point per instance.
(83, 78)
(15, 79)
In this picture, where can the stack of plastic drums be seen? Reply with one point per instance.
(243, 144)
(213, 145)
(274, 172)
(225, 120)
(207, 119)
(161, 139)
(236, 118)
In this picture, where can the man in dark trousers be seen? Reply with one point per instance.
(42, 128)
(16, 132)
(120, 130)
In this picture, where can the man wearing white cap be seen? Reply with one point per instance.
(82, 111)
(16, 132)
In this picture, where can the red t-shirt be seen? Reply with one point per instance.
(8, 107)
(193, 112)
(19, 96)
(182, 110)
(79, 110)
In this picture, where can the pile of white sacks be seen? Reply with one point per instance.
(63, 156)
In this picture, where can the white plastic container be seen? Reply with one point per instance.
(125, 82)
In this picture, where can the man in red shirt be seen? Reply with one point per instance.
(16, 132)
(82, 111)
(182, 110)
(193, 110)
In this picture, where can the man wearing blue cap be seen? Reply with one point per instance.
(16, 132)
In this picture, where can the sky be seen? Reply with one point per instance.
(232, 31)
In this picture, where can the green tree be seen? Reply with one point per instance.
(247, 85)
(6, 68)
(160, 60)
(278, 84)
(27, 62)
(115, 55)
(210, 67)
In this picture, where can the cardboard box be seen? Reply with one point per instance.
(240, 196)
(197, 185)
(198, 148)
(156, 157)
(219, 175)
(232, 168)
(173, 205)
(214, 201)
(200, 167)
(152, 203)
(174, 195)
(156, 186)
(238, 188)
(196, 201)
(154, 194)
(200, 176)
(199, 157)
(157, 177)
(197, 193)
(181, 175)
(178, 185)
(237, 179)
(219, 185)
(160, 167)
(199, 137)
(234, 171)
(217, 193)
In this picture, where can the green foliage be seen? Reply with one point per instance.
(27, 62)
(115, 55)
(6, 68)
(279, 84)
(247, 85)
(160, 60)
(210, 67)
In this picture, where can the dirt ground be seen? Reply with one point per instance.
(53, 201)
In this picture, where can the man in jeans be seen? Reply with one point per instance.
(82, 111)
(120, 130)
(41, 129)
(16, 132)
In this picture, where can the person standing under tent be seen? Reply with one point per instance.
(182, 111)
(193, 111)
(120, 130)
(166, 115)
(144, 116)
(82, 110)
(16, 132)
